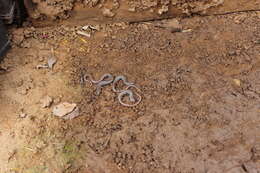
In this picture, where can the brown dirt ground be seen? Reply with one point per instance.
(200, 112)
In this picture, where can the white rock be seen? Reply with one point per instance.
(84, 33)
(72, 115)
(23, 115)
(66, 110)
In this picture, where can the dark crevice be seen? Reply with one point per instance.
(244, 167)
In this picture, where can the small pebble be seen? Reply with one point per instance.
(46, 102)
(23, 115)
(22, 91)
(108, 13)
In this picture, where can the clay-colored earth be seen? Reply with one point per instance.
(81, 11)
(199, 79)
